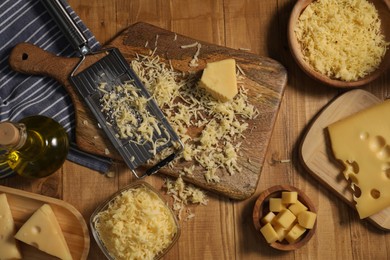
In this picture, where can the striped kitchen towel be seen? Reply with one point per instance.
(23, 95)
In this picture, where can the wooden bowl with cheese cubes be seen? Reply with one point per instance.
(340, 43)
(284, 217)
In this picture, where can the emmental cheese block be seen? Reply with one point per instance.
(361, 142)
(219, 79)
(8, 247)
(43, 232)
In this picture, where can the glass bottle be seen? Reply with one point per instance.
(36, 146)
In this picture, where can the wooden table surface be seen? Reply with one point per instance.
(223, 229)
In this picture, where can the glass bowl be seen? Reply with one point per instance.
(105, 205)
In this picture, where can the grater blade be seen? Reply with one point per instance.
(113, 70)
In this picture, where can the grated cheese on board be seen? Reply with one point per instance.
(189, 107)
(136, 225)
(341, 39)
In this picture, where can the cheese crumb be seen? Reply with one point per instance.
(341, 39)
(183, 195)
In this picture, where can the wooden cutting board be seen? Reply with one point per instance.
(264, 78)
(316, 154)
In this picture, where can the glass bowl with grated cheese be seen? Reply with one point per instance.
(135, 223)
(341, 43)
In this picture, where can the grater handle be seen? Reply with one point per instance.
(67, 25)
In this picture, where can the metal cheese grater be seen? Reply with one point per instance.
(111, 71)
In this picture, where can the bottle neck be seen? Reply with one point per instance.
(12, 135)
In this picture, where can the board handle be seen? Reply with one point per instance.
(27, 58)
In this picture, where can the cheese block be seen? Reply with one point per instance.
(361, 142)
(43, 232)
(8, 247)
(219, 79)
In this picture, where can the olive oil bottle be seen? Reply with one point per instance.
(36, 146)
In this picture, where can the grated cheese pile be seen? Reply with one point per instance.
(218, 126)
(136, 225)
(183, 195)
(126, 109)
(341, 39)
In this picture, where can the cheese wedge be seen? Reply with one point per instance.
(43, 232)
(219, 79)
(8, 247)
(362, 144)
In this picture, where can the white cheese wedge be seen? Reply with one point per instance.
(43, 232)
(219, 79)
(8, 247)
(362, 144)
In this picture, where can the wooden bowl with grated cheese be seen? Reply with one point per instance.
(344, 48)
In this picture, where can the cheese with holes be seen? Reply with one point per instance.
(8, 247)
(43, 232)
(361, 142)
(219, 79)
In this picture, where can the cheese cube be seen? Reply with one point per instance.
(284, 218)
(268, 218)
(296, 232)
(289, 197)
(297, 208)
(276, 205)
(8, 247)
(219, 79)
(269, 233)
(307, 219)
(281, 231)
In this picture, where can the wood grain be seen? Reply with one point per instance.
(224, 229)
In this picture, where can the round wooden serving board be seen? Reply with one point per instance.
(316, 153)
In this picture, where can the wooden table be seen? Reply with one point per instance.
(223, 229)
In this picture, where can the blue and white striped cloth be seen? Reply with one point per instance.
(23, 95)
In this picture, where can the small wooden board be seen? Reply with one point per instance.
(316, 154)
(264, 78)
(23, 204)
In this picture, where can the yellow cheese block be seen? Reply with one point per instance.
(269, 233)
(307, 219)
(361, 142)
(8, 247)
(43, 232)
(219, 79)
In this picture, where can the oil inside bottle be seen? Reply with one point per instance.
(44, 149)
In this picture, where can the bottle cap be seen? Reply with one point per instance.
(9, 134)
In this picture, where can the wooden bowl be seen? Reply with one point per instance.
(261, 208)
(383, 7)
